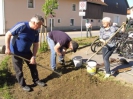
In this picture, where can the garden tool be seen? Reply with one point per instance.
(121, 70)
(90, 47)
(37, 64)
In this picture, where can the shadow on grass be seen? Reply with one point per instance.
(64, 69)
(6, 78)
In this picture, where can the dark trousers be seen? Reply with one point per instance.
(107, 52)
(18, 64)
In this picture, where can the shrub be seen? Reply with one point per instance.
(43, 47)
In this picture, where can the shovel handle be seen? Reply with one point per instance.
(36, 64)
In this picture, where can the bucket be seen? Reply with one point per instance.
(77, 61)
(91, 67)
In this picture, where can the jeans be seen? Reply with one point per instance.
(107, 52)
(53, 53)
(18, 64)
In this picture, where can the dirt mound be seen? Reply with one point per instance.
(75, 83)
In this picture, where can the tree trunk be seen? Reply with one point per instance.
(45, 23)
(40, 37)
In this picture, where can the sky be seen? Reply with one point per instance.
(130, 2)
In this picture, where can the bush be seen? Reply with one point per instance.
(43, 47)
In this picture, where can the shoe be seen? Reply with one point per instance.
(104, 71)
(107, 75)
(113, 72)
(40, 83)
(26, 88)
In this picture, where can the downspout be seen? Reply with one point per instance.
(2, 18)
(3, 7)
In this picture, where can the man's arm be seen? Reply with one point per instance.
(7, 42)
(56, 48)
(35, 49)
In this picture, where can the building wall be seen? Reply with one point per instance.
(17, 10)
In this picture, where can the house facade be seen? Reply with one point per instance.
(67, 14)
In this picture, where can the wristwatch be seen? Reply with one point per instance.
(34, 56)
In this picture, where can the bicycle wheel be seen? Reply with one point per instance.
(126, 50)
(97, 46)
(94, 44)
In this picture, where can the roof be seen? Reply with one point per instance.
(97, 2)
(127, 3)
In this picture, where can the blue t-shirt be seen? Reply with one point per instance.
(25, 38)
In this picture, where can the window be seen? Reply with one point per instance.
(58, 20)
(91, 20)
(117, 4)
(30, 3)
(99, 20)
(74, 7)
(51, 21)
(71, 22)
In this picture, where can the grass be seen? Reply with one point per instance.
(81, 41)
(4, 74)
(85, 41)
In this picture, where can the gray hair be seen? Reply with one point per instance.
(107, 19)
(37, 18)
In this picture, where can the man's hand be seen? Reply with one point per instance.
(7, 51)
(33, 60)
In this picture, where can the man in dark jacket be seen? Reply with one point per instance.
(59, 42)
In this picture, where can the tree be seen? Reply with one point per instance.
(48, 9)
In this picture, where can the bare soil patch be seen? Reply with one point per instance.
(75, 83)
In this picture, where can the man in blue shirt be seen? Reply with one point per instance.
(24, 35)
(59, 42)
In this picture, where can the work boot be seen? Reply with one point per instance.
(26, 88)
(62, 62)
(40, 83)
